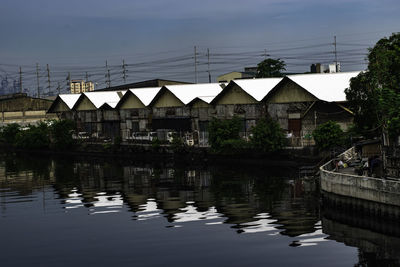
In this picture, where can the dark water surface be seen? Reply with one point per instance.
(86, 212)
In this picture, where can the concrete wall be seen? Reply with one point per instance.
(367, 188)
(24, 110)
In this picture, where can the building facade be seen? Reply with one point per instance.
(80, 86)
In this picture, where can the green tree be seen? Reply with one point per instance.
(220, 131)
(328, 135)
(61, 133)
(270, 68)
(35, 136)
(374, 94)
(9, 133)
(267, 136)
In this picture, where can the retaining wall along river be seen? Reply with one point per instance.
(378, 190)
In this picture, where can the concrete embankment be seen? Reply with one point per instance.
(380, 194)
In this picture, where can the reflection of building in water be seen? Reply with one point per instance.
(251, 204)
(22, 181)
(24, 177)
(295, 212)
(375, 249)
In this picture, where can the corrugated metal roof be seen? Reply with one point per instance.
(69, 99)
(258, 88)
(100, 98)
(325, 86)
(188, 92)
(146, 95)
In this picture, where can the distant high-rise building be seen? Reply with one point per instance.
(4, 86)
(80, 86)
(330, 68)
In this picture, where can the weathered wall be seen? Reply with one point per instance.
(85, 104)
(281, 111)
(235, 95)
(22, 109)
(167, 99)
(132, 102)
(290, 92)
(60, 106)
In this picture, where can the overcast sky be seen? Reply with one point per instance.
(78, 35)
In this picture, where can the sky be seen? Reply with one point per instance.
(156, 38)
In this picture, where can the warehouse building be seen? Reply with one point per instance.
(298, 102)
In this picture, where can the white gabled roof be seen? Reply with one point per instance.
(258, 88)
(146, 95)
(188, 92)
(105, 97)
(69, 99)
(325, 86)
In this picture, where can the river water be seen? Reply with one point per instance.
(93, 212)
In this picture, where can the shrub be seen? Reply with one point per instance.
(155, 143)
(223, 130)
(267, 136)
(117, 141)
(34, 137)
(328, 135)
(9, 133)
(177, 143)
(233, 146)
(61, 133)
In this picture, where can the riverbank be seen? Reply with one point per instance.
(376, 196)
(289, 157)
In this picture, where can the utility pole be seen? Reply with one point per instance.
(195, 64)
(108, 77)
(208, 60)
(265, 54)
(20, 79)
(336, 63)
(37, 78)
(69, 82)
(58, 87)
(48, 77)
(124, 71)
(87, 77)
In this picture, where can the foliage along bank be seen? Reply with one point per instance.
(52, 134)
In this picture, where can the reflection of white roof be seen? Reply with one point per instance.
(188, 92)
(100, 98)
(325, 86)
(258, 88)
(146, 95)
(69, 99)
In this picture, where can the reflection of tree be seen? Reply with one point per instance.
(297, 211)
(24, 175)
